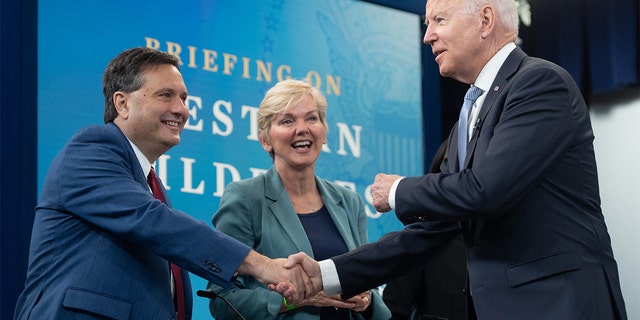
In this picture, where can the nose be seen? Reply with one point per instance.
(302, 127)
(180, 108)
(429, 36)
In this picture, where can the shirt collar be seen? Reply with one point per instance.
(490, 70)
(142, 159)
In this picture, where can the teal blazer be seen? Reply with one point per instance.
(259, 213)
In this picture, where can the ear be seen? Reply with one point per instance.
(488, 20)
(266, 145)
(120, 102)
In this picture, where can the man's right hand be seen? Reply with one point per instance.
(312, 270)
(291, 282)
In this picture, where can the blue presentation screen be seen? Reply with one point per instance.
(365, 59)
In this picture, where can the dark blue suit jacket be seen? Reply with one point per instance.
(527, 204)
(101, 243)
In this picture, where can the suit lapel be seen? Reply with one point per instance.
(134, 164)
(487, 105)
(509, 67)
(337, 212)
(282, 209)
(499, 85)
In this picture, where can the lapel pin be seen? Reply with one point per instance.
(496, 88)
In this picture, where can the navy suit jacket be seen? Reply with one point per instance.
(101, 242)
(259, 213)
(527, 204)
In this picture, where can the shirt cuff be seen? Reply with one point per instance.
(330, 280)
(392, 194)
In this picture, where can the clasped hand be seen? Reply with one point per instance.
(312, 278)
(300, 278)
(357, 303)
(380, 190)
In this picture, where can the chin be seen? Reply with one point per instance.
(444, 72)
(173, 142)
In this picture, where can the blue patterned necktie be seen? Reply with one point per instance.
(463, 127)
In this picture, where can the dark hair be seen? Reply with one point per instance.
(123, 74)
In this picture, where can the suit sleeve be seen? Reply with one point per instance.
(393, 255)
(378, 311)
(528, 129)
(236, 217)
(97, 185)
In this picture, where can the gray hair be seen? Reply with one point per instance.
(507, 11)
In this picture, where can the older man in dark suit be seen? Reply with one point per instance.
(525, 196)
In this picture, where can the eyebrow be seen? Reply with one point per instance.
(170, 90)
(287, 113)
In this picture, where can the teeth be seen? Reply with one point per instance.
(302, 143)
(171, 123)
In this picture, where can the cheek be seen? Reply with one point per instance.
(276, 136)
(320, 134)
(185, 109)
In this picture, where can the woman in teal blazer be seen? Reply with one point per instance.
(289, 209)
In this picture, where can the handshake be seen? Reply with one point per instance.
(296, 278)
(299, 280)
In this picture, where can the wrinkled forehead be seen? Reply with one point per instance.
(440, 5)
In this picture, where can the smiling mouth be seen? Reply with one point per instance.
(172, 123)
(302, 144)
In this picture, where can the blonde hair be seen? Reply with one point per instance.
(281, 97)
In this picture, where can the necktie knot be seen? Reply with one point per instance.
(151, 176)
(473, 93)
(154, 183)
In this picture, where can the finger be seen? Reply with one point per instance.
(340, 304)
(295, 259)
(300, 280)
(379, 177)
(281, 288)
(303, 281)
(288, 291)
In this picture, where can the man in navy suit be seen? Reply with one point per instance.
(525, 198)
(101, 242)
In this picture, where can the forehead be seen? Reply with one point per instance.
(162, 75)
(439, 6)
(304, 103)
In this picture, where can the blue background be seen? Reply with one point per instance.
(596, 41)
(372, 53)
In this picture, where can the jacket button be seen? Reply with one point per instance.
(212, 266)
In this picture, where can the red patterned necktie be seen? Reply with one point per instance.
(178, 297)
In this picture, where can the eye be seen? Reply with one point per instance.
(312, 118)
